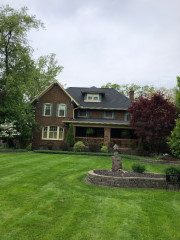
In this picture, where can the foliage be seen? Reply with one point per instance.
(174, 140)
(29, 147)
(178, 93)
(100, 144)
(104, 149)
(136, 167)
(139, 90)
(172, 171)
(78, 146)
(153, 120)
(70, 136)
(74, 153)
(21, 77)
(89, 131)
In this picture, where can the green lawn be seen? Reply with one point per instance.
(44, 197)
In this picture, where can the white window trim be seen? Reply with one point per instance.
(82, 116)
(92, 100)
(62, 104)
(108, 117)
(45, 110)
(53, 139)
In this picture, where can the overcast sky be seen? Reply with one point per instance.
(100, 41)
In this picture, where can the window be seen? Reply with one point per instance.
(126, 116)
(47, 109)
(61, 110)
(45, 132)
(108, 114)
(89, 97)
(92, 97)
(53, 133)
(82, 113)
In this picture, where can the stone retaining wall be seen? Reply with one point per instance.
(130, 182)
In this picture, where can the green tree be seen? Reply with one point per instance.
(21, 77)
(70, 136)
(178, 93)
(139, 90)
(174, 140)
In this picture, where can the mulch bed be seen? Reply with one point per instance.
(123, 173)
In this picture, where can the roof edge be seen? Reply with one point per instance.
(50, 86)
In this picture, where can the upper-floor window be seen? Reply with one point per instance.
(47, 109)
(82, 113)
(61, 110)
(108, 114)
(92, 97)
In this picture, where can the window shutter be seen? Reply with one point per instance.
(125, 116)
(57, 107)
(87, 113)
(42, 109)
(103, 114)
(113, 115)
(100, 97)
(85, 96)
(66, 110)
(51, 109)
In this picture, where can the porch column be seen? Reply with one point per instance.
(107, 136)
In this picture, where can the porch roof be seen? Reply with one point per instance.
(98, 121)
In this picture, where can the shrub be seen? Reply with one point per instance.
(104, 149)
(78, 146)
(70, 136)
(172, 171)
(136, 167)
(29, 147)
(100, 144)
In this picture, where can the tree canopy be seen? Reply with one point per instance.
(139, 90)
(153, 120)
(174, 140)
(21, 76)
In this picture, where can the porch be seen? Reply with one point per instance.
(124, 137)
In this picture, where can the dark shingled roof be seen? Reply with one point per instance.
(111, 98)
(95, 120)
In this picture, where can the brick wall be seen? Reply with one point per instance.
(94, 113)
(54, 95)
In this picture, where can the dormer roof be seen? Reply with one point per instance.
(111, 99)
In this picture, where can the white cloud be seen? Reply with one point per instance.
(133, 41)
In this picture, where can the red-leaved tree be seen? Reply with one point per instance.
(153, 120)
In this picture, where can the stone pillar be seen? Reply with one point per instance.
(107, 136)
(74, 131)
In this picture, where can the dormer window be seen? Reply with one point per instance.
(91, 97)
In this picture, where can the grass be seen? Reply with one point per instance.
(45, 197)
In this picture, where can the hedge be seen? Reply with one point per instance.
(75, 153)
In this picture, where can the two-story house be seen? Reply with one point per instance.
(99, 114)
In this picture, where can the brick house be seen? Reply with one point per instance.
(97, 114)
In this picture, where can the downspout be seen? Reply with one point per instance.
(74, 111)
